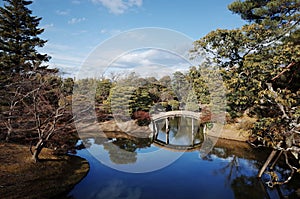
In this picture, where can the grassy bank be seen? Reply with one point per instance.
(53, 177)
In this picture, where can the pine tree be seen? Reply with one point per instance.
(19, 39)
(260, 64)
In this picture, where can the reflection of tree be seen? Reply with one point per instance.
(244, 183)
(221, 152)
(87, 142)
(131, 145)
(244, 186)
(198, 134)
(119, 156)
(205, 150)
(248, 187)
(122, 150)
(182, 127)
(174, 124)
(278, 173)
(233, 169)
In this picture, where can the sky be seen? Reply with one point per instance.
(76, 28)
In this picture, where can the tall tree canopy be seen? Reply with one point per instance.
(260, 63)
(19, 39)
(34, 101)
(256, 53)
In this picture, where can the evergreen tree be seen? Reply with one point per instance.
(260, 64)
(180, 86)
(199, 84)
(35, 102)
(19, 39)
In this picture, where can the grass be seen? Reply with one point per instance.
(52, 177)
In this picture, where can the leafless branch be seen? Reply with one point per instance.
(285, 70)
(280, 106)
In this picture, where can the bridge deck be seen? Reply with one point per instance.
(183, 113)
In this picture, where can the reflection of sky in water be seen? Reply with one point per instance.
(190, 176)
(123, 169)
(117, 189)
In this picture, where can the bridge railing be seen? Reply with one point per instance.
(184, 113)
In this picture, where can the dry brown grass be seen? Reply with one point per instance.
(239, 130)
(53, 177)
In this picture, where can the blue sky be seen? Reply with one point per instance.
(74, 28)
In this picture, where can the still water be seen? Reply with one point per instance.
(228, 171)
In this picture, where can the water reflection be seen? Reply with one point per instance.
(123, 151)
(178, 132)
(228, 171)
(117, 189)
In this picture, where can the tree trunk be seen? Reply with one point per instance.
(8, 135)
(38, 148)
(262, 170)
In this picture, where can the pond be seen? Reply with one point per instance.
(171, 164)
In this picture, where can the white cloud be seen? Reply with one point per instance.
(79, 32)
(149, 62)
(110, 32)
(48, 26)
(119, 6)
(64, 57)
(57, 47)
(76, 2)
(146, 62)
(76, 20)
(66, 63)
(62, 12)
(103, 31)
(150, 56)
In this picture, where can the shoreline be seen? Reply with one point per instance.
(232, 131)
(56, 176)
(52, 177)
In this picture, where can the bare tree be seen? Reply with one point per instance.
(49, 110)
(13, 96)
(36, 110)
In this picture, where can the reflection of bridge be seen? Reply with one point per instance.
(195, 116)
(162, 115)
(177, 148)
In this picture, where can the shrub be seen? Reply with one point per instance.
(142, 117)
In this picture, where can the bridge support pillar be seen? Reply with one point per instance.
(167, 137)
(167, 124)
(193, 136)
(167, 130)
(155, 132)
